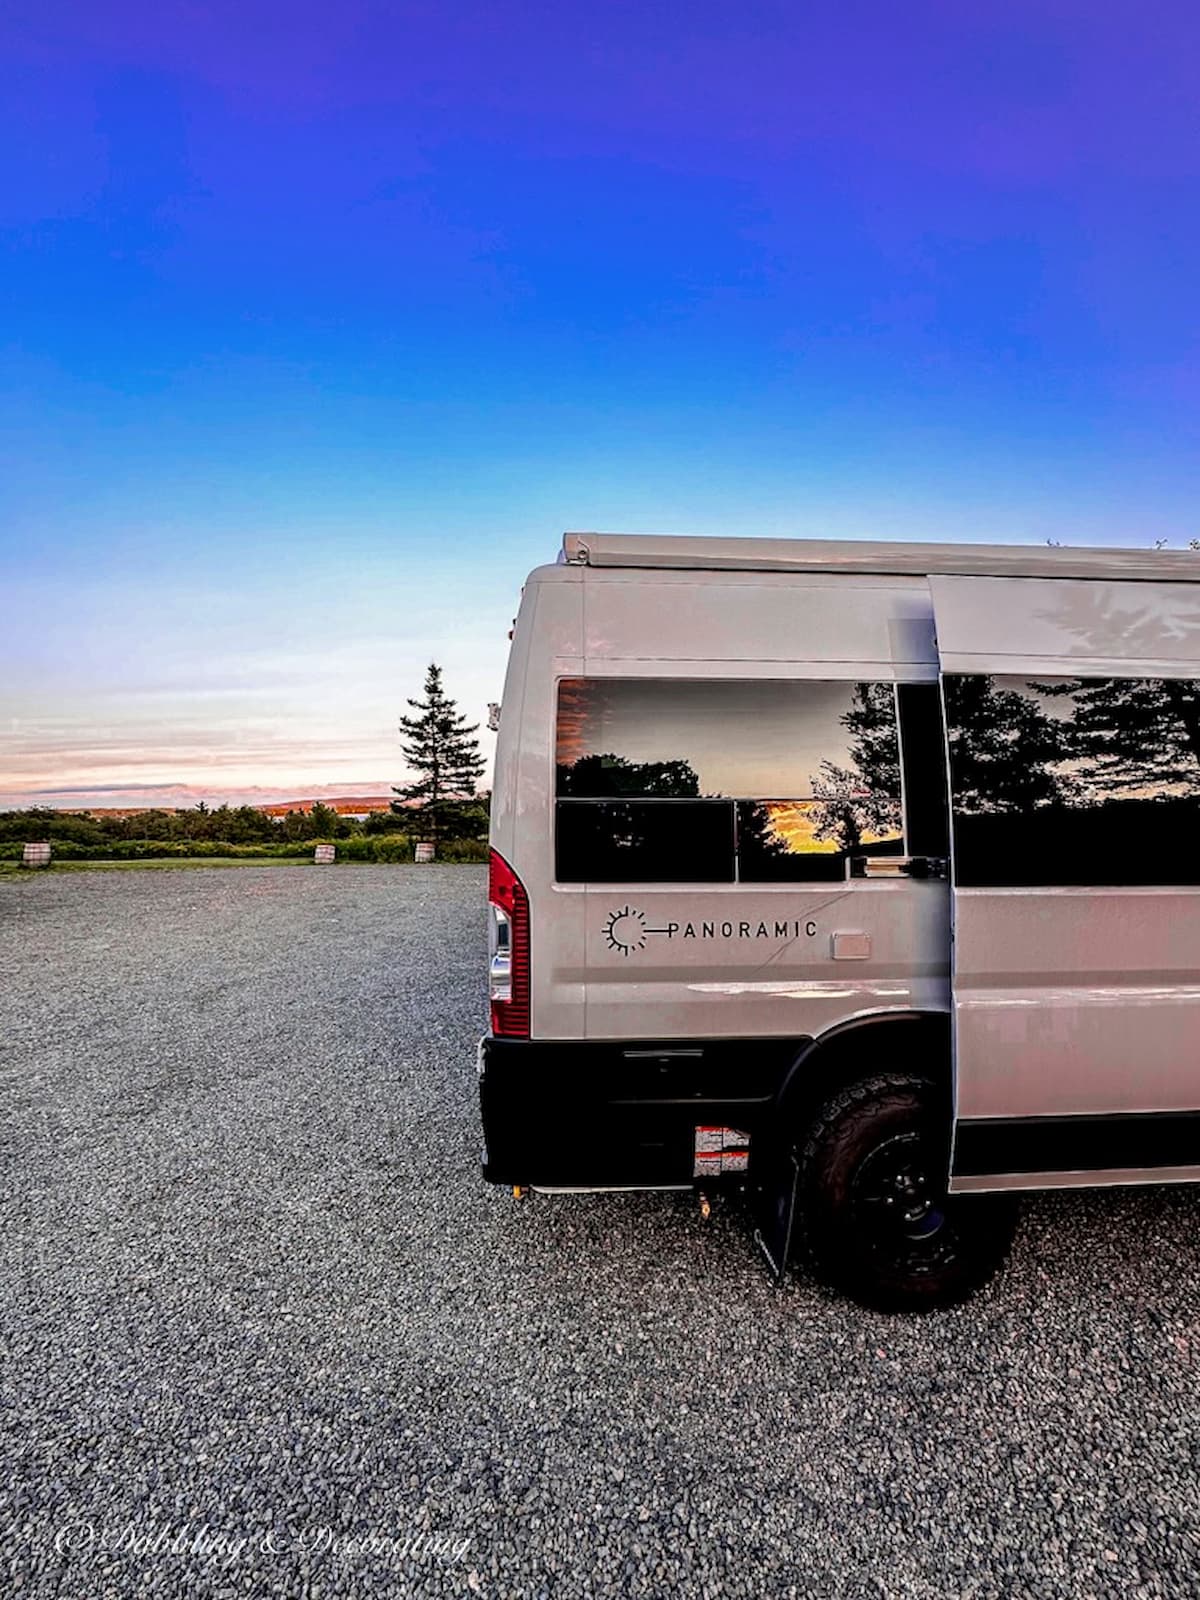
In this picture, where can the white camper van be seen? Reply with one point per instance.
(864, 876)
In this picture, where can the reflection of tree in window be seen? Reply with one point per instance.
(1075, 781)
(861, 802)
(758, 839)
(811, 771)
(1133, 734)
(850, 807)
(1005, 750)
(596, 776)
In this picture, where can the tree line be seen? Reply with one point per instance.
(441, 803)
(198, 824)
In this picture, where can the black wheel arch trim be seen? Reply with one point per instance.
(852, 1028)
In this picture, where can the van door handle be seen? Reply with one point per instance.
(900, 867)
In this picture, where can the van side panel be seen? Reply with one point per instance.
(1073, 717)
(741, 621)
(1076, 1001)
(723, 960)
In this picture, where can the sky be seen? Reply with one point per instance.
(320, 324)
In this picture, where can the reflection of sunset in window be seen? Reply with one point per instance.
(794, 775)
(792, 823)
(574, 699)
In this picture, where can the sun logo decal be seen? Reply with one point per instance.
(625, 930)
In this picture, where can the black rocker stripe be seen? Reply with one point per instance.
(991, 1145)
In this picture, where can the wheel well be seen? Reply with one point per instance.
(911, 1041)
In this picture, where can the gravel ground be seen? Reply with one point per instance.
(265, 1330)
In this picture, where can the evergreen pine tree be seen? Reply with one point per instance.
(442, 751)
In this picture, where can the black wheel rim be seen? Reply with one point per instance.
(899, 1205)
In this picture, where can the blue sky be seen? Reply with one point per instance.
(320, 325)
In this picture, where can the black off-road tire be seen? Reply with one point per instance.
(867, 1229)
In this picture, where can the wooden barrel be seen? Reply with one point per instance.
(325, 855)
(423, 852)
(37, 855)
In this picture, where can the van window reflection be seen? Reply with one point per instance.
(1074, 780)
(812, 768)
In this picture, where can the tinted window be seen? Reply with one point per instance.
(1075, 780)
(645, 841)
(807, 774)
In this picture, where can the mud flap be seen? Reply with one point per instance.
(773, 1208)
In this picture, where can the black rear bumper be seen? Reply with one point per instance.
(597, 1113)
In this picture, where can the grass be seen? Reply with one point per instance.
(12, 869)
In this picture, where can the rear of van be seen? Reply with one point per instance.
(675, 807)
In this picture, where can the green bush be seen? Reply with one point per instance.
(391, 846)
(356, 849)
(164, 850)
(385, 847)
(43, 823)
(463, 850)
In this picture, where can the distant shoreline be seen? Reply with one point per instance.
(345, 805)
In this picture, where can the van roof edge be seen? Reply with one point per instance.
(702, 553)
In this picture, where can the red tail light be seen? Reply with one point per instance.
(508, 950)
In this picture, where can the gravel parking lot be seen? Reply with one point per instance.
(265, 1330)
